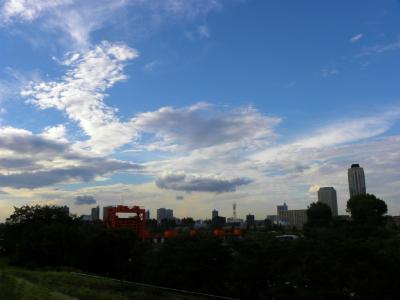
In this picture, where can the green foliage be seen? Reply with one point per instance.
(37, 215)
(319, 215)
(197, 263)
(17, 284)
(187, 222)
(366, 209)
(48, 237)
(336, 259)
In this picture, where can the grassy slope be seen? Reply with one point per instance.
(43, 285)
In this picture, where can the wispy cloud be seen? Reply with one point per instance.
(356, 38)
(200, 32)
(329, 72)
(152, 66)
(380, 48)
(78, 19)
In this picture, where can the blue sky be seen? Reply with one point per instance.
(247, 101)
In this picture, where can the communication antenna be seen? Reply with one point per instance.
(234, 210)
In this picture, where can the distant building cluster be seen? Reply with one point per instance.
(326, 195)
(136, 217)
(94, 216)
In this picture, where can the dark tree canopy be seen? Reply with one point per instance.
(366, 209)
(37, 214)
(330, 259)
(187, 222)
(319, 215)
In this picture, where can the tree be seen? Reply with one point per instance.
(187, 222)
(366, 209)
(35, 215)
(319, 215)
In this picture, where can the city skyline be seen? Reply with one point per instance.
(196, 105)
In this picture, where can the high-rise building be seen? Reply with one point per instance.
(283, 207)
(328, 196)
(164, 213)
(214, 214)
(147, 214)
(106, 209)
(356, 180)
(294, 217)
(95, 213)
(250, 220)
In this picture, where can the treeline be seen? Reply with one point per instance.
(333, 258)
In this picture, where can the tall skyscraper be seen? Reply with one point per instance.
(356, 180)
(214, 214)
(164, 213)
(283, 207)
(328, 196)
(95, 213)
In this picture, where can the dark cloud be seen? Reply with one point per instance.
(85, 200)
(42, 162)
(81, 173)
(17, 163)
(182, 182)
(20, 141)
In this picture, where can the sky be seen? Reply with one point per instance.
(195, 105)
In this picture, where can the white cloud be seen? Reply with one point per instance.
(199, 126)
(28, 10)
(57, 133)
(81, 93)
(356, 38)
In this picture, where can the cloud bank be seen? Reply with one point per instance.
(85, 200)
(191, 183)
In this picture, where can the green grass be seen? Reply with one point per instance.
(42, 285)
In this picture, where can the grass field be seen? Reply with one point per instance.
(43, 285)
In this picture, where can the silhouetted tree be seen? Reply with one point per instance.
(366, 209)
(187, 222)
(319, 215)
(168, 224)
